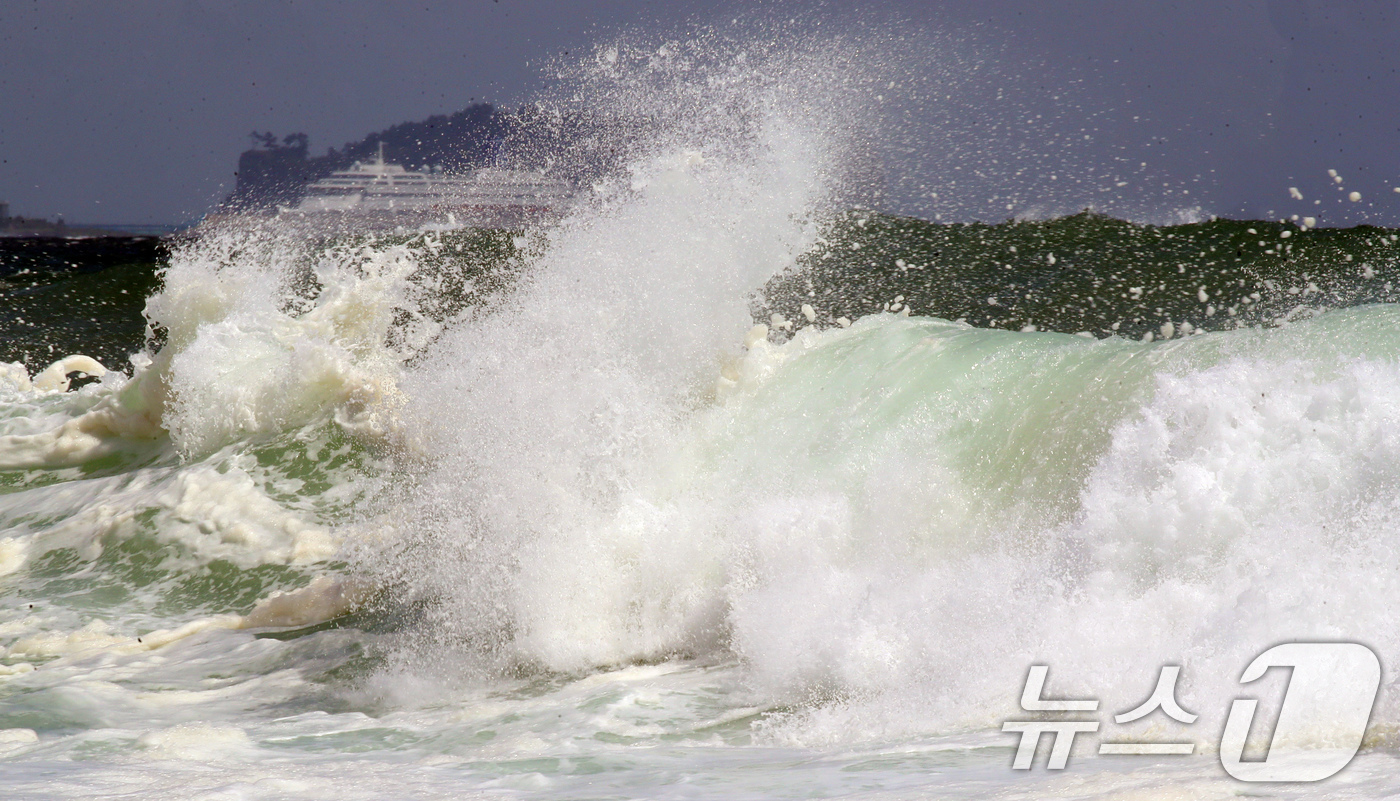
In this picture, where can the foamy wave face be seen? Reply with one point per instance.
(889, 524)
(1241, 452)
(263, 336)
(1244, 503)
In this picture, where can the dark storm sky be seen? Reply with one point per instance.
(136, 111)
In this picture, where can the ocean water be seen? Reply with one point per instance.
(724, 486)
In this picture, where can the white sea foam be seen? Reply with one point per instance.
(249, 351)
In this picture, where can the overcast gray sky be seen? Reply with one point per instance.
(136, 112)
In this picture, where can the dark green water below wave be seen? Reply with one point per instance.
(64, 296)
(1087, 273)
(1083, 273)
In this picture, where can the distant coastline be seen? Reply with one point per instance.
(39, 227)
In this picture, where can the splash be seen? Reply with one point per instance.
(547, 409)
(883, 525)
